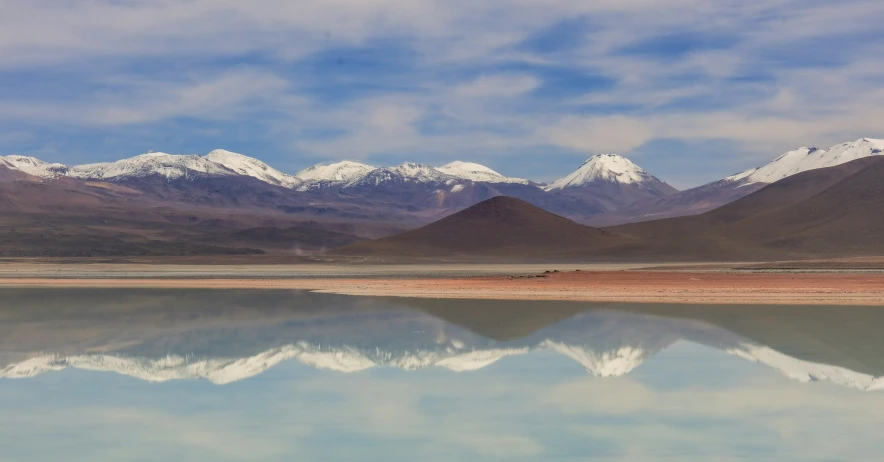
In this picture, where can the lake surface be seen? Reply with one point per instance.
(212, 375)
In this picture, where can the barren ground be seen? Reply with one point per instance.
(523, 282)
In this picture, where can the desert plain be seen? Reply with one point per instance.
(824, 282)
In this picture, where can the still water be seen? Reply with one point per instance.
(287, 375)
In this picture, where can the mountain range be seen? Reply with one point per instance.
(821, 213)
(229, 203)
(717, 193)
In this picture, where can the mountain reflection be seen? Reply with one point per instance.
(227, 336)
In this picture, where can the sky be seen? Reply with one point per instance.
(691, 90)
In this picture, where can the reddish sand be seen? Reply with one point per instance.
(610, 286)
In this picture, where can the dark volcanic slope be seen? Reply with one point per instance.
(498, 227)
(67, 217)
(835, 211)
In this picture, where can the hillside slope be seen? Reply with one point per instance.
(833, 211)
(501, 227)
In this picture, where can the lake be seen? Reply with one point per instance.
(157, 374)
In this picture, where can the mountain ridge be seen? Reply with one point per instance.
(711, 195)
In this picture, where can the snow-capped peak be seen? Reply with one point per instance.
(807, 158)
(477, 172)
(338, 172)
(34, 166)
(171, 166)
(249, 166)
(408, 172)
(610, 168)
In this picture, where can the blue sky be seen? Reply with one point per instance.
(691, 90)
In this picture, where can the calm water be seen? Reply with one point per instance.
(286, 375)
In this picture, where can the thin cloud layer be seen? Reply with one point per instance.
(500, 82)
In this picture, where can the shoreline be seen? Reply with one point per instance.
(584, 286)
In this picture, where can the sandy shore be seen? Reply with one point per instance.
(312, 270)
(607, 286)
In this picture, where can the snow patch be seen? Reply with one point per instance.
(336, 173)
(170, 166)
(477, 172)
(408, 172)
(34, 166)
(249, 166)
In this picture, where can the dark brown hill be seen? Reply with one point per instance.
(500, 227)
(10, 174)
(67, 217)
(835, 211)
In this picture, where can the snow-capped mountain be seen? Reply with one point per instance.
(477, 172)
(608, 183)
(610, 168)
(803, 159)
(406, 173)
(338, 173)
(720, 192)
(605, 190)
(249, 166)
(161, 164)
(34, 166)
(422, 188)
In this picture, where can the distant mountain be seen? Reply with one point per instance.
(477, 172)
(249, 166)
(501, 227)
(610, 182)
(804, 159)
(34, 166)
(407, 189)
(833, 211)
(336, 174)
(407, 173)
(430, 191)
(728, 189)
(368, 201)
(610, 168)
(158, 164)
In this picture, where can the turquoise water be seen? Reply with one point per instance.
(289, 375)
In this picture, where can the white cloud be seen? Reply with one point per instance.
(610, 134)
(215, 97)
(463, 92)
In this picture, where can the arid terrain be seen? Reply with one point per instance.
(704, 284)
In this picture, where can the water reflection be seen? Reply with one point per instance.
(327, 377)
(225, 336)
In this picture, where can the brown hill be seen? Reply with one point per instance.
(500, 227)
(833, 212)
(67, 217)
(7, 173)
